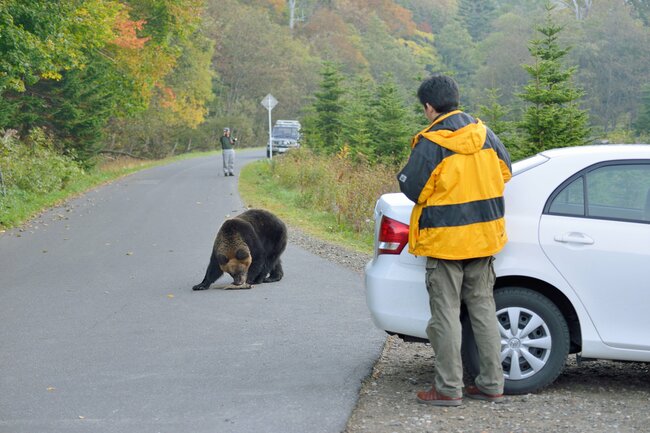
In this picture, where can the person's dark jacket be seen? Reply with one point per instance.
(227, 142)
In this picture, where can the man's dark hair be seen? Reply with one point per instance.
(441, 92)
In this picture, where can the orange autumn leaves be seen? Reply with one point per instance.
(127, 30)
(150, 63)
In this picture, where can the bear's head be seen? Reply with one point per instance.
(237, 265)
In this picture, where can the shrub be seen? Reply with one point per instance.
(33, 165)
(335, 184)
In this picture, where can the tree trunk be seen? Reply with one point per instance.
(2, 183)
(292, 10)
(119, 152)
(580, 8)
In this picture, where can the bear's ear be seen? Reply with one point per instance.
(222, 259)
(241, 254)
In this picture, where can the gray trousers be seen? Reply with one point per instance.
(472, 281)
(228, 161)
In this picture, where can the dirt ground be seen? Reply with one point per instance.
(598, 396)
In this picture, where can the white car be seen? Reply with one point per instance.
(573, 278)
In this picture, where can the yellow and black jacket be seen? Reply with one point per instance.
(456, 175)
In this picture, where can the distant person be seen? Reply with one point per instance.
(228, 152)
(456, 176)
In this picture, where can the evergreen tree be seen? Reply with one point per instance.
(495, 117)
(357, 119)
(393, 125)
(553, 118)
(493, 114)
(457, 52)
(642, 123)
(476, 17)
(328, 111)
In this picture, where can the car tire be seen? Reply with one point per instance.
(538, 363)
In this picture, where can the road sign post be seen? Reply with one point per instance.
(269, 102)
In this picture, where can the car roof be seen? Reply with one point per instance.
(619, 151)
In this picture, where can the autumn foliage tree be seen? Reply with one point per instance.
(41, 40)
(152, 77)
(71, 67)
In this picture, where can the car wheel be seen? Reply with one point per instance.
(534, 340)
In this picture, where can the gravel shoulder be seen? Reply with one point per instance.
(596, 396)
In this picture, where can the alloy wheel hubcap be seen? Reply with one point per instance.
(525, 342)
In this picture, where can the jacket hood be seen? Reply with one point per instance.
(465, 140)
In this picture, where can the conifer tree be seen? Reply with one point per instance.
(476, 17)
(495, 117)
(642, 123)
(324, 132)
(393, 125)
(552, 118)
(357, 119)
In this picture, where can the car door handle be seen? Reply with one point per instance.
(574, 238)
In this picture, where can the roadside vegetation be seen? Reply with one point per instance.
(331, 197)
(34, 176)
(357, 137)
(84, 80)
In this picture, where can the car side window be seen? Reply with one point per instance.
(571, 200)
(615, 191)
(619, 192)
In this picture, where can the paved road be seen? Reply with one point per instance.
(100, 331)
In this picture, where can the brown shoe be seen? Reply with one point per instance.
(436, 399)
(472, 391)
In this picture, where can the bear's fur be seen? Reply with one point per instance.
(248, 247)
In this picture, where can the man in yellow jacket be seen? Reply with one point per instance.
(456, 175)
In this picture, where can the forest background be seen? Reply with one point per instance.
(82, 79)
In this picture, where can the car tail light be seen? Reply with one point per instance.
(393, 236)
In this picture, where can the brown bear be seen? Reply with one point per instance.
(248, 247)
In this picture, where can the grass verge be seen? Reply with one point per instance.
(260, 189)
(19, 206)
